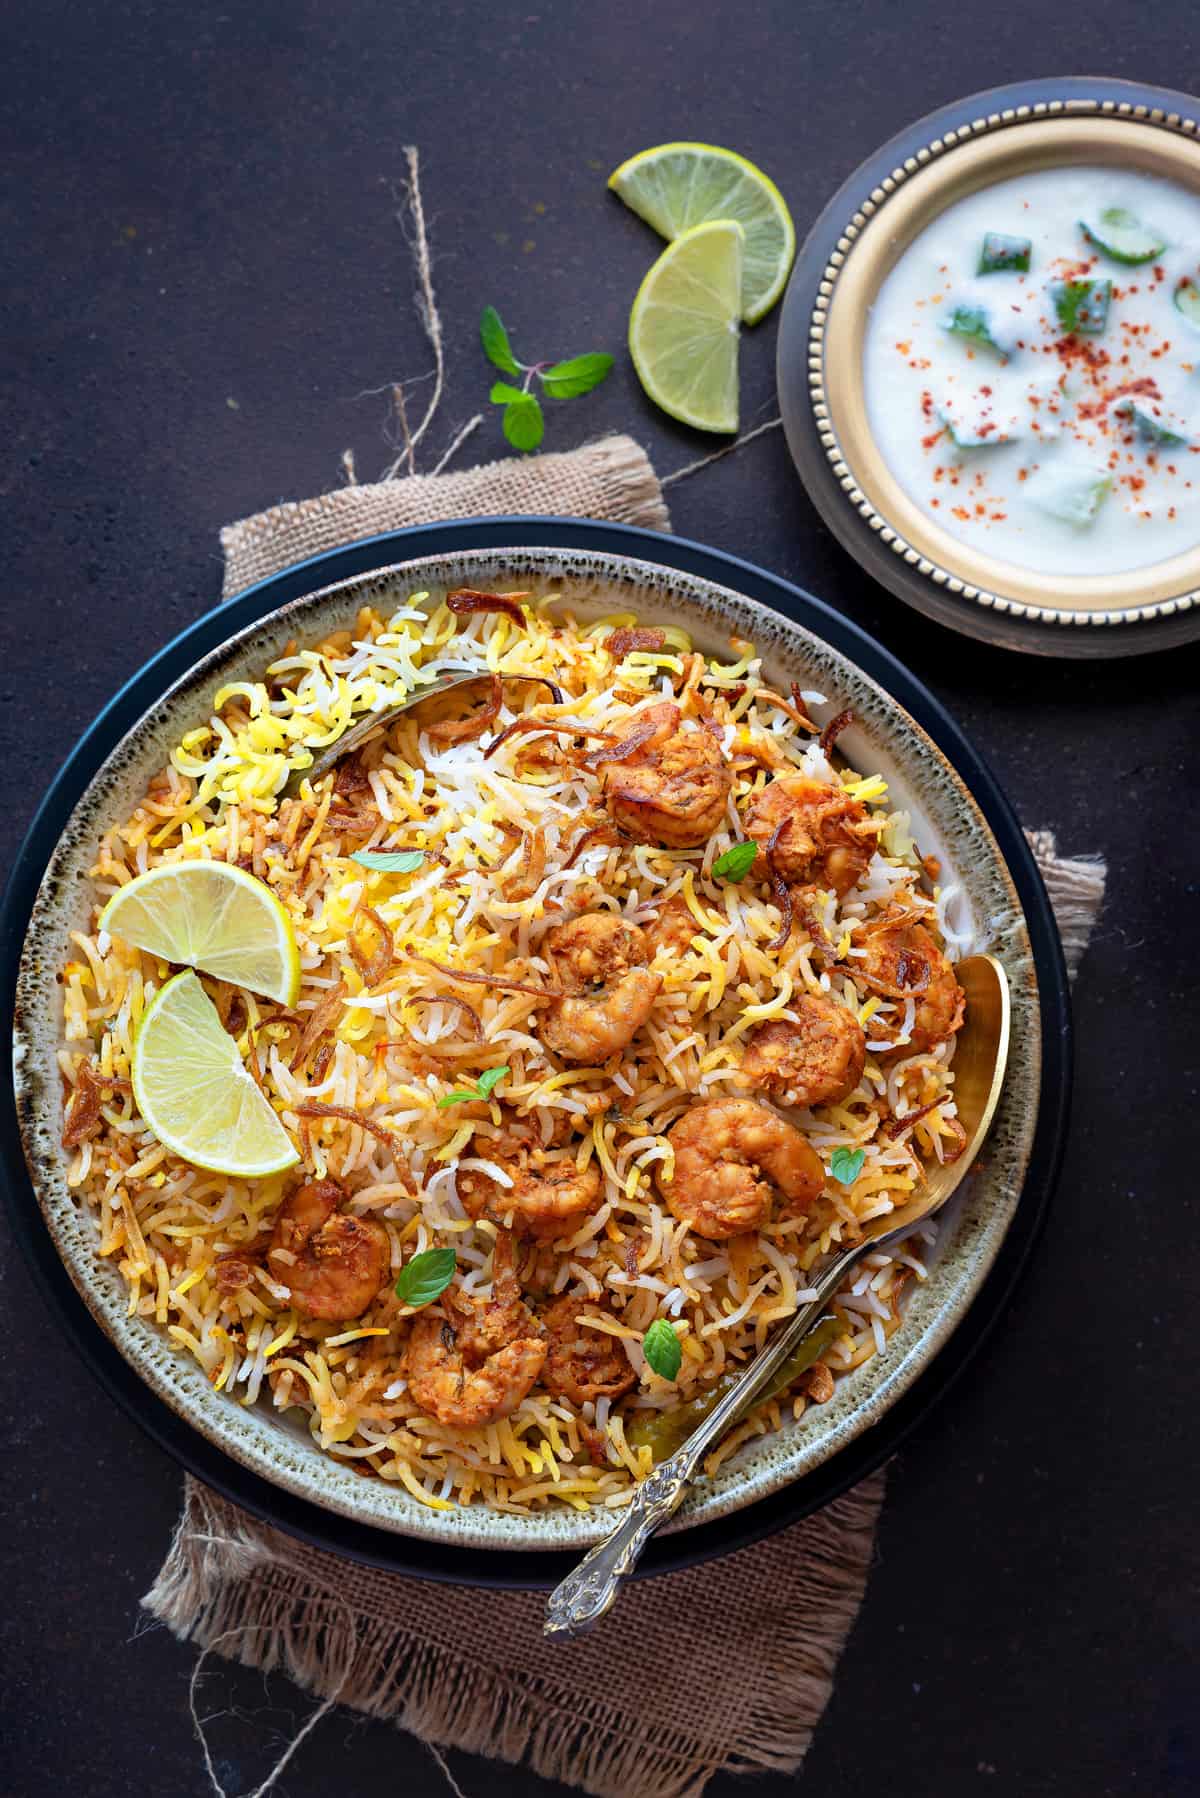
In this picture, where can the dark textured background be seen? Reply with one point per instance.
(203, 276)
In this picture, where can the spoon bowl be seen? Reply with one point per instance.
(371, 726)
(376, 722)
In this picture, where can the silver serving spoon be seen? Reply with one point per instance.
(980, 1055)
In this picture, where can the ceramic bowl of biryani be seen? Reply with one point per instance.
(625, 994)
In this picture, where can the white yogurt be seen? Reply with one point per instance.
(1070, 474)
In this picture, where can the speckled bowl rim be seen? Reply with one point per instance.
(277, 1451)
(941, 584)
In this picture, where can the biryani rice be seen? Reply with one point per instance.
(405, 1040)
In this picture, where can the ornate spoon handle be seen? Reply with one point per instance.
(577, 1605)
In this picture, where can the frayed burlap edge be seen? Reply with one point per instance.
(1076, 890)
(610, 479)
(249, 1593)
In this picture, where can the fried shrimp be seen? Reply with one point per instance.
(722, 1147)
(582, 1364)
(817, 1060)
(903, 961)
(599, 959)
(332, 1264)
(673, 927)
(476, 1364)
(538, 1262)
(548, 1196)
(672, 788)
(818, 832)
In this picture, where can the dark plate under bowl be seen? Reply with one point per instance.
(464, 1566)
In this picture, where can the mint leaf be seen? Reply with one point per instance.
(523, 423)
(504, 391)
(566, 379)
(846, 1164)
(660, 1345)
(494, 339)
(737, 862)
(426, 1276)
(400, 861)
(487, 1083)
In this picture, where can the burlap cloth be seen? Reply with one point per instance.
(468, 1668)
(611, 479)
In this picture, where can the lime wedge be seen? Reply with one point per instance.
(683, 330)
(194, 1093)
(678, 186)
(212, 916)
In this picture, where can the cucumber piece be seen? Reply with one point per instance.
(1187, 300)
(974, 323)
(967, 436)
(1122, 237)
(1082, 306)
(999, 254)
(1074, 493)
(1150, 429)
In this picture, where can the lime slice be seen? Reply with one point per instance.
(683, 330)
(211, 916)
(194, 1093)
(678, 186)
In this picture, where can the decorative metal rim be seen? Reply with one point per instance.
(1009, 116)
